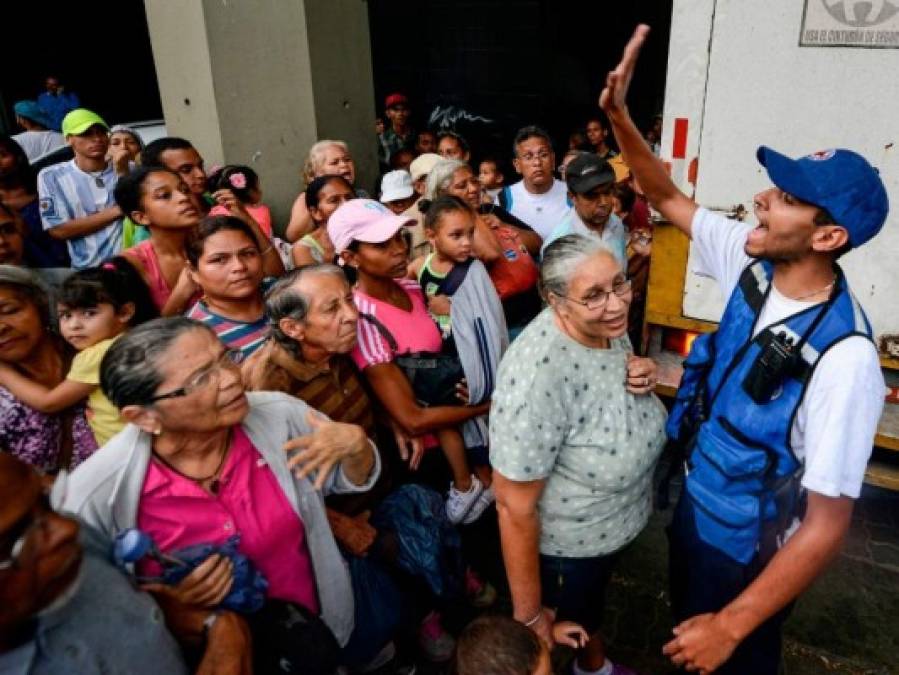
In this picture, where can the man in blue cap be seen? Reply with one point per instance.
(37, 140)
(777, 410)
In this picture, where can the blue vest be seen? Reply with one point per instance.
(742, 476)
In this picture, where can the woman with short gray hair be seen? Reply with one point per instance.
(313, 328)
(441, 177)
(324, 158)
(287, 299)
(199, 452)
(575, 433)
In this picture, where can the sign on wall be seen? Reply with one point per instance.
(850, 23)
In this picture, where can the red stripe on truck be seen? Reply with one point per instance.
(679, 147)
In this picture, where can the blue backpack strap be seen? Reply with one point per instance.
(455, 277)
(505, 198)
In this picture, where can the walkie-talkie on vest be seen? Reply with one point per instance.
(775, 362)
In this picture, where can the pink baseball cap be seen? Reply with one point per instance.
(363, 220)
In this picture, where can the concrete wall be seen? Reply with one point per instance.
(258, 82)
(181, 52)
(342, 82)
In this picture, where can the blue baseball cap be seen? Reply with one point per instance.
(838, 180)
(32, 111)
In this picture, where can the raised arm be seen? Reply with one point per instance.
(485, 246)
(272, 266)
(648, 169)
(300, 221)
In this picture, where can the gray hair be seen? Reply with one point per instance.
(26, 284)
(563, 256)
(440, 177)
(129, 373)
(284, 300)
(317, 156)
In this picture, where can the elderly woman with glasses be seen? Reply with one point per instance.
(575, 433)
(201, 461)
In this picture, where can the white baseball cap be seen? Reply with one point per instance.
(396, 185)
(422, 165)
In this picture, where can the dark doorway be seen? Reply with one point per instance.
(100, 50)
(514, 62)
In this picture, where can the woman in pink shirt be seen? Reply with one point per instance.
(369, 238)
(201, 461)
(160, 200)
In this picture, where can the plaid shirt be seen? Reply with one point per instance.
(391, 142)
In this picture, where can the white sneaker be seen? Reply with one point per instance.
(458, 504)
(485, 499)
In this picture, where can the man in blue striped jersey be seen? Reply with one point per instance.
(76, 197)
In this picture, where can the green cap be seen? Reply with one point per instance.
(80, 120)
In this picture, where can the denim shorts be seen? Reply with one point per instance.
(576, 587)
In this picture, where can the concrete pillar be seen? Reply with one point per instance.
(257, 82)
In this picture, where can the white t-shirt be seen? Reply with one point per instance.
(833, 433)
(36, 144)
(543, 212)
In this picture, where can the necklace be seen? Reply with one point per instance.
(215, 485)
(97, 176)
(814, 293)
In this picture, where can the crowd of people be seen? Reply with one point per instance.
(233, 445)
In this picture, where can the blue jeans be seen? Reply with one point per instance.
(576, 587)
(703, 579)
(378, 605)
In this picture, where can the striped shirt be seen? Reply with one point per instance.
(333, 388)
(66, 192)
(245, 336)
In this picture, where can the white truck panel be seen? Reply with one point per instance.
(761, 87)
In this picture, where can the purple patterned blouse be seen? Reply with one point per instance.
(33, 436)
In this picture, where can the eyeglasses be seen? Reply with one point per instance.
(599, 299)
(37, 521)
(531, 156)
(230, 358)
